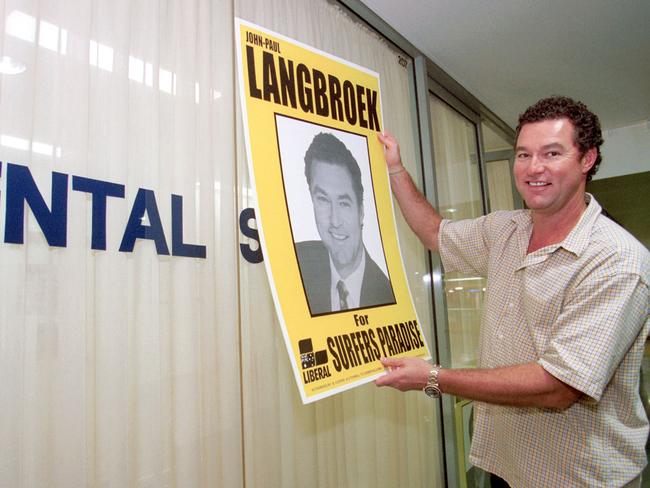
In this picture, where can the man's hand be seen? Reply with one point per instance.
(405, 373)
(417, 211)
(391, 151)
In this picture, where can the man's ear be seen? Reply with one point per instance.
(588, 160)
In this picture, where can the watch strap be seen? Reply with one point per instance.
(432, 388)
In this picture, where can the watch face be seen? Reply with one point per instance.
(432, 391)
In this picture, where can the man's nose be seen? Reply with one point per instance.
(536, 165)
(335, 217)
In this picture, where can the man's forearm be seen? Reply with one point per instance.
(418, 212)
(524, 385)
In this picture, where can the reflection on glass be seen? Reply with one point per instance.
(136, 69)
(21, 26)
(11, 66)
(24, 145)
(63, 45)
(49, 36)
(167, 81)
(101, 56)
(459, 197)
(41, 148)
(14, 142)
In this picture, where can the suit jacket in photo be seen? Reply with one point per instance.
(314, 263)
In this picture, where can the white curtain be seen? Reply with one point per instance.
(364, 437)
(121, 368)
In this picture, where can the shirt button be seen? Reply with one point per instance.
(500, 336)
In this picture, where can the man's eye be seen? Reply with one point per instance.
(344, 204)
(552, 154)
(522, 155)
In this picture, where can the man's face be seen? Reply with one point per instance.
(550, 173)
(338, 213)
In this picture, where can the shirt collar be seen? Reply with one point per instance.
(352, 283)
(578, 239)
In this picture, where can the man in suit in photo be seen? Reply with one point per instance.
(337, 271)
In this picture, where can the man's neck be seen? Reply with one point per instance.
(350, 268)
(553, 227)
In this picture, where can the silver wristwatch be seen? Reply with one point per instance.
(432, 388)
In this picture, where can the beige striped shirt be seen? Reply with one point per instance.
(580, 309)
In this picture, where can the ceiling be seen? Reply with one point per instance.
(510, 53)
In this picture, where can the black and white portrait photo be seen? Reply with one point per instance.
(333, 216)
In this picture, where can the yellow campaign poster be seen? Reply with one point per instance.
(324, 212)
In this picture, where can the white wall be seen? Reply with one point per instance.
(626, 151)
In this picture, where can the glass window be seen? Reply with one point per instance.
(499, 155)
(458, 186)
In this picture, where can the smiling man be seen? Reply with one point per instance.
(565, 318)
(337, 271)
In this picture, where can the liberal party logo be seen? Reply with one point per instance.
(315, 363)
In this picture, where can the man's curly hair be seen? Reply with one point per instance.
(586, 126)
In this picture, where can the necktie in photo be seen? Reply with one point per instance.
(343, 295)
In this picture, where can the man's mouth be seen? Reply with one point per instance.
(538, 183)
(338, 237)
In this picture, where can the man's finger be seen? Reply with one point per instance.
(385, 380)
(386, 138)
(392, 362)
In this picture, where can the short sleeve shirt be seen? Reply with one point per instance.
(580, 309)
